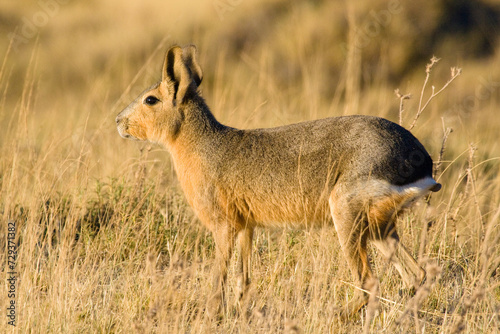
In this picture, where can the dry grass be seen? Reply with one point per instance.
(106, 242)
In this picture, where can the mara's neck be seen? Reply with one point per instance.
(199, 131)
(200, 119)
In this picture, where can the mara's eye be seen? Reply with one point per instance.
(151, 100)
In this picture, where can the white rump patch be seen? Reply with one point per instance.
(376, 188)
(419, 188)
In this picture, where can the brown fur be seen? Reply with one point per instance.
(359, 170)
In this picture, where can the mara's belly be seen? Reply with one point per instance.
(294, 212)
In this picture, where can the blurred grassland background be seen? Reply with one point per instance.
(106, 240)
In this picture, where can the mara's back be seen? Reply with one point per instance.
(288, 172)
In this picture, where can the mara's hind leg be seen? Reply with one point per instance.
(384, 236)
(245, 238)
(392, 248)
(352, 229)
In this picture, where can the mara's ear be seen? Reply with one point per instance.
(176, 76)
(191, 61)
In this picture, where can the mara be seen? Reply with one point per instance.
(357, 172)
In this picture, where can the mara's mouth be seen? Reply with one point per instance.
(122, 130)
(130, 131)
(125, 134)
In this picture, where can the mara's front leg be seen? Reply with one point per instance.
(225, 236)
(245, 238)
